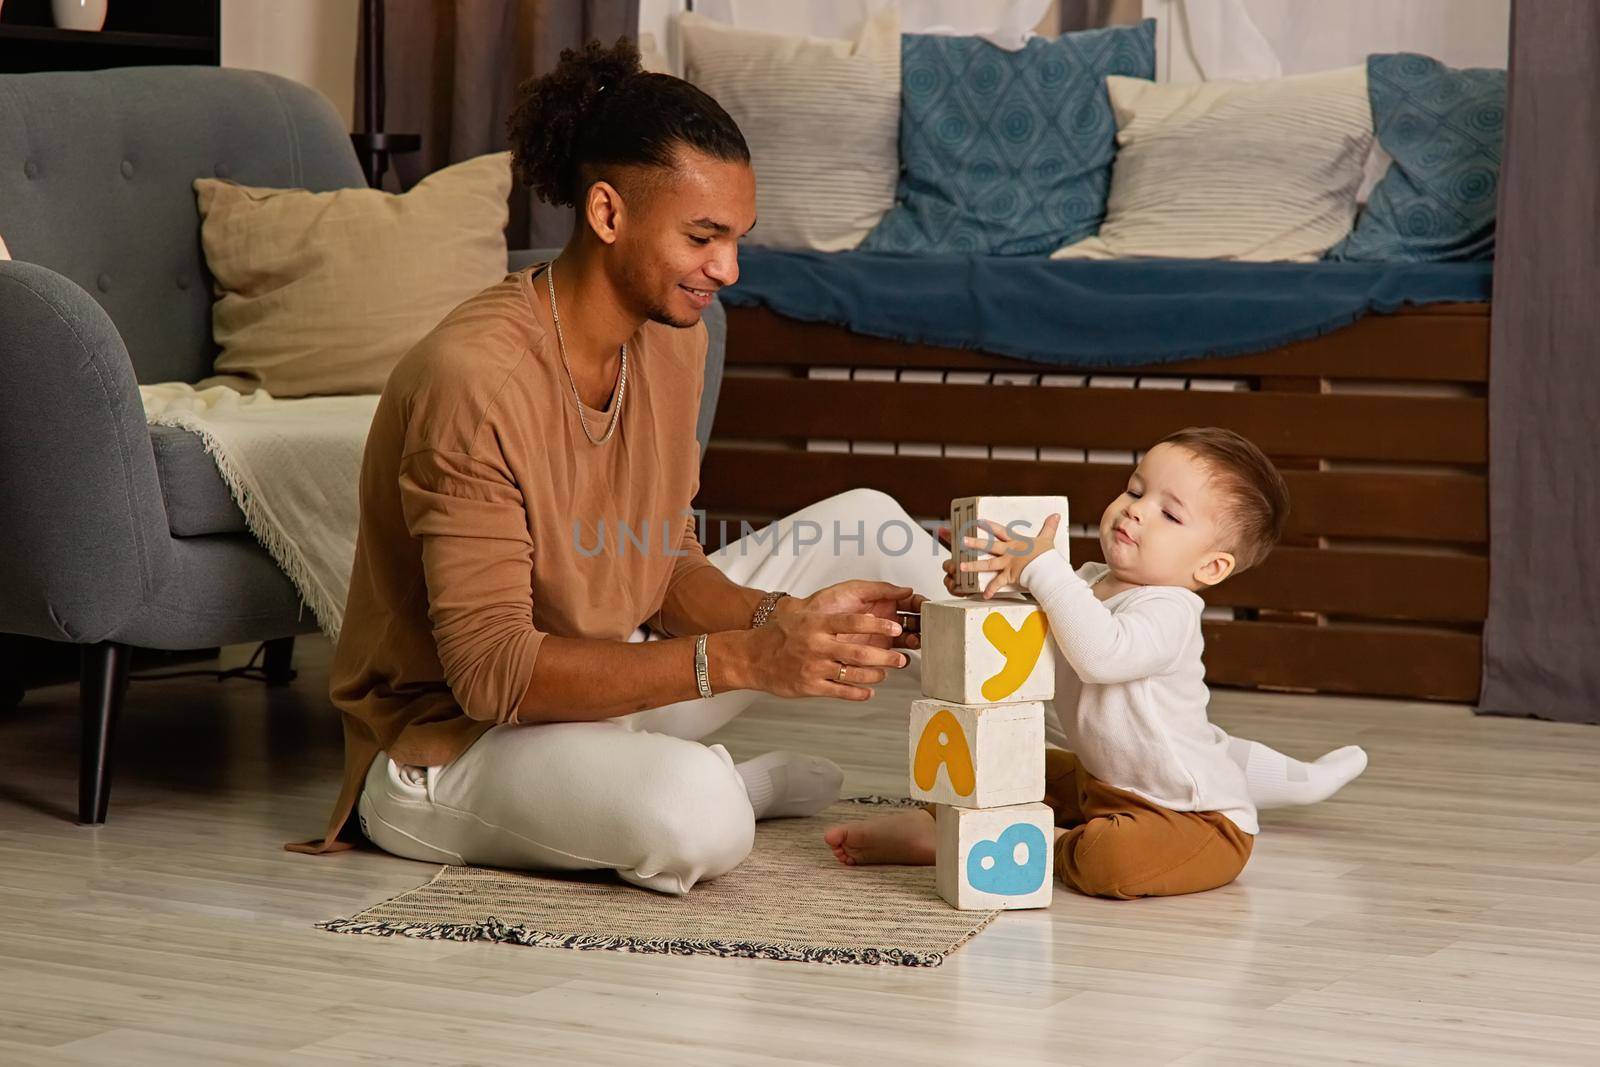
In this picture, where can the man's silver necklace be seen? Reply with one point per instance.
(622, 373)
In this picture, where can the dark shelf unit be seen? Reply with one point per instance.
(136, 34)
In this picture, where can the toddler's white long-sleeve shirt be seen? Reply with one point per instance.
(1138, 718)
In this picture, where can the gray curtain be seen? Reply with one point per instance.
(1541, 645)
(451, 72)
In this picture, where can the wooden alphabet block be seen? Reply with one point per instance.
(977, 755)
(995, 857)
(1023, 516)
(986, 651)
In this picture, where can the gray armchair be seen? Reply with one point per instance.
(117, 534)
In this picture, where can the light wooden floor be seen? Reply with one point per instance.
(1444, 909)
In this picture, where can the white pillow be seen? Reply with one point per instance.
(1246, 170)
(821, 116)
(3, 253)
(838, 18)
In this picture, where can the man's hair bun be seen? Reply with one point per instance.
(555, 108)
(598, 107)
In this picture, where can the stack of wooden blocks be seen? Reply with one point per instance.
(977, 739)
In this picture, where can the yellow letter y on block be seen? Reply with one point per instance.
(1020, 647)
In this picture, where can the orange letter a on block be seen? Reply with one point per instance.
(944, 742)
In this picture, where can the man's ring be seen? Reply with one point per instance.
(841, 673)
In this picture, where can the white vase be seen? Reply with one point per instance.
(79, 14)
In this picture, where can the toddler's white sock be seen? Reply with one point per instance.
(1277, 781)
(785, 784)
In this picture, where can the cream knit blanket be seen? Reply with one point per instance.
(293, 467)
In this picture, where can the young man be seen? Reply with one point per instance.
(499, 706)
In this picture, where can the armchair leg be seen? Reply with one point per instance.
(103, 682)
(12, 686)
(280, 653)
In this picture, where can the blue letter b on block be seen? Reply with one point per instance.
(1004, 875)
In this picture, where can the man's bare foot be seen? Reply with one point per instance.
(906, 837)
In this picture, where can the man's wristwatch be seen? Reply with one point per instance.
(764, 610)
(702, 668)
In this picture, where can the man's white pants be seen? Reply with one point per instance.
(638, 794)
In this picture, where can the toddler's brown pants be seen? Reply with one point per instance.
(1120, 845)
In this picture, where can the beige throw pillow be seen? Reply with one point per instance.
(1244, 170)
(821, 117)
(4, 253)
(322, 293)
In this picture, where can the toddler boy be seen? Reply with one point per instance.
(1148, 799)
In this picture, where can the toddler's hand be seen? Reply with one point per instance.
(1011, 554)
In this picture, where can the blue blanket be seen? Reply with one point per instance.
(1090, 313)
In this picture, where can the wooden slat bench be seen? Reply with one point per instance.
(1380, 586)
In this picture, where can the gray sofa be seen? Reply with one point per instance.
(118, 535)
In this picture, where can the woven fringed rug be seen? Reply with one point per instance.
(790, 900)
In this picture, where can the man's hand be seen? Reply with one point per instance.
(859, 596)
(818, 653)
(1010, 555)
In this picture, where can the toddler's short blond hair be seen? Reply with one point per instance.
(1257, 498)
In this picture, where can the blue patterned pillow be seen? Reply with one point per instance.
(1443, 127)
(1007, 153)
